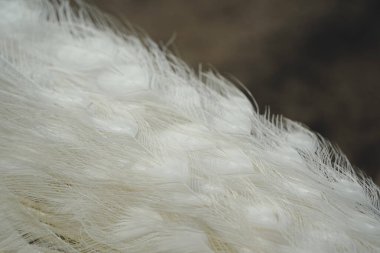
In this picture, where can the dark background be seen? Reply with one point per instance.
(317, 62)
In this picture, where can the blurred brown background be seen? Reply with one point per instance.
(317, 62)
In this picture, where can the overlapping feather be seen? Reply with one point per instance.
(110, 144)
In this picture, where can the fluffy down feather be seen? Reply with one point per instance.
(110, 144)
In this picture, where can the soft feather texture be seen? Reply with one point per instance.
(110, 144)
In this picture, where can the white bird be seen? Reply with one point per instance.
(110, 144)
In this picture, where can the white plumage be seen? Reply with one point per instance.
(109, 144)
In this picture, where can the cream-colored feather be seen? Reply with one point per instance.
(109, 144)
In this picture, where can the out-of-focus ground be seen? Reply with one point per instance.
(317, 62)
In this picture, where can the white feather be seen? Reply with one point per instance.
(109, 144)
